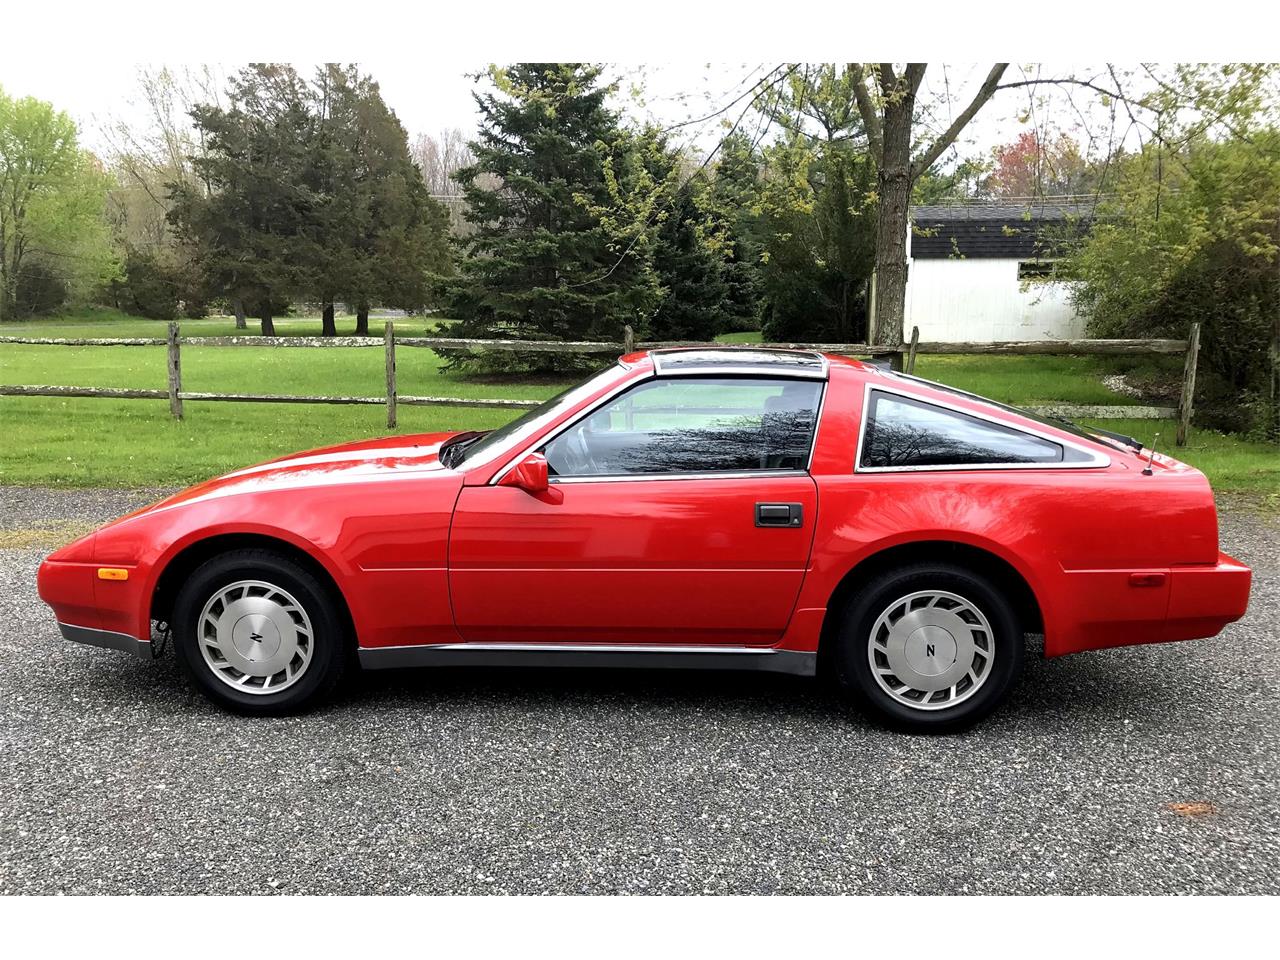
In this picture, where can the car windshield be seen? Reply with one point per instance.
(474, 450)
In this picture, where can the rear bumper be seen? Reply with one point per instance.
(1203, 600)
(1117, 608)
(106, 638)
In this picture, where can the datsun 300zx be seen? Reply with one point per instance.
(701, 508)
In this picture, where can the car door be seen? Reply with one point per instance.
(680, 512)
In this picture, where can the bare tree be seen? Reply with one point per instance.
(160, 150)
(147, 157)
(439, 158)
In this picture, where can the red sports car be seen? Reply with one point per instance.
(702, 508)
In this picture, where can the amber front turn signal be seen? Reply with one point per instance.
(112, 573)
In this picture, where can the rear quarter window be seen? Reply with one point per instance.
(903, 432)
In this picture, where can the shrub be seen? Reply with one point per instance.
(148, 287)
(1194, 239)
(39, 290)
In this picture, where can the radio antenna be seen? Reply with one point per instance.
(1151, 456)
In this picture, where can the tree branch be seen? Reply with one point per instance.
(870, 117)
(948, 136)
(1074, 81)
(915, 74)
(754, 91)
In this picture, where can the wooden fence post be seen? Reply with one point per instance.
(389, 337)
(175, 374)
(1187, 401)
(911, 355)
(1274, 388)
(628, 339)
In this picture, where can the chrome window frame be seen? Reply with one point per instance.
(1096, 459)
(763, 473)
(674, 475)
(820, 372)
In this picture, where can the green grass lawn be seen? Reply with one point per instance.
(750, 336)
(129, 443)
(111, 323)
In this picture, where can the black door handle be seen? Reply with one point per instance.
(779, 515)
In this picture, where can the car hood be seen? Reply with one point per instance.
(359, 461)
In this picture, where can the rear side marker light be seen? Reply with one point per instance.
(112, 573)
(1146, 579)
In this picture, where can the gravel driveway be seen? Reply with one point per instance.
(116, 778)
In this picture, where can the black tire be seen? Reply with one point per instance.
(329, 642)
(852, 662)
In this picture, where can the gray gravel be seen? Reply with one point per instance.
(116, 778)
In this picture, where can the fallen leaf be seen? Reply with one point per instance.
(1197, 808)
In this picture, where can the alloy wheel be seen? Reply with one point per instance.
(931, 649)
(255, 637)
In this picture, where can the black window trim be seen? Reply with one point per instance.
(629, 385)
(1095, 458)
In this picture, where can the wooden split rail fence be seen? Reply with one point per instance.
(902, 356)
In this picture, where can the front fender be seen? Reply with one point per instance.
(384, 546)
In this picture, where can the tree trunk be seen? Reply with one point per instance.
(237, 307)
(268, 325)
(327, 328)
(362, 319)
(8, 295)
(892, 221)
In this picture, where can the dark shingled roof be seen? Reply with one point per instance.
(996, 230)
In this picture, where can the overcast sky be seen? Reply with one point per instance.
(431, 94)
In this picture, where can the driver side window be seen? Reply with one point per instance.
(693, 425)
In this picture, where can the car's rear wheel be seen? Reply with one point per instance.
(929, 647)
(258, 633)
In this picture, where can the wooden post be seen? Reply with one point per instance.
(1274, 388)
(628, 339)
(1187, 400)
(175, 374)
(911, 355)
(389, 338)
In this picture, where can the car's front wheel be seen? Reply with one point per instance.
(929, 647)
(259, 633)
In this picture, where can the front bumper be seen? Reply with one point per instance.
(102, 613)
(108, 639)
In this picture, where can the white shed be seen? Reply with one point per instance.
(980, 271)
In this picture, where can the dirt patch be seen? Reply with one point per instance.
(44, 536)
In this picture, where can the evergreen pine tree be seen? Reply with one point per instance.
(734, 200)
(694, 292)
(249, 227)
(540, 263)
(380, 233)
(819, 249)
(309, 191)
